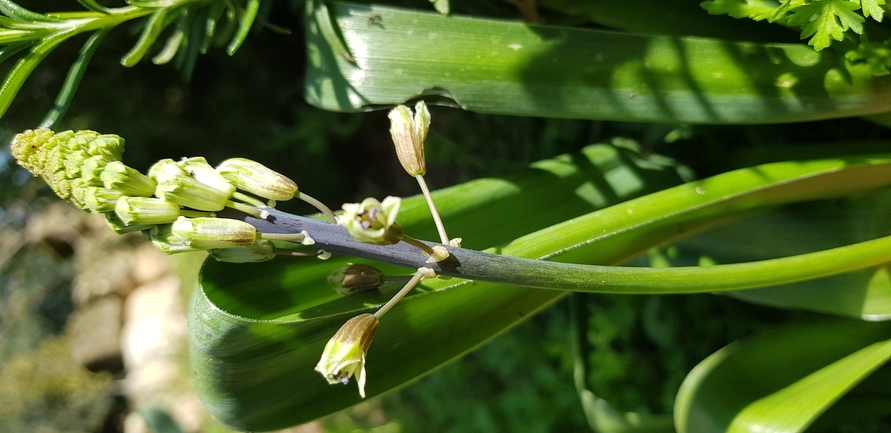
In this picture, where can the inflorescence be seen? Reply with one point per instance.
(176, 206)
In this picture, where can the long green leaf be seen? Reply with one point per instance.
(782, 381)
(258, 330)
(531, 70)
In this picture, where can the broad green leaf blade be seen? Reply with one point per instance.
(781, 381)
(258, 330)
(792, 230)
(531, 70)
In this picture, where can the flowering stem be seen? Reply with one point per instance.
(443, 237)
(482, 266)
(318, 205)
(421, 273)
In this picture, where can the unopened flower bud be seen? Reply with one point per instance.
(211, 233)
(115, 223)
(146, 211)
(200, 170)
(344, 355)
(259, 251)
(116, 175)
(68, 161)
(352, 278)
(373, 222)
(101, 200)
(163, 238)
(177, 186)
(256, 178)
(409, 133)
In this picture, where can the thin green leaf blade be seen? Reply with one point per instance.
(782, 381)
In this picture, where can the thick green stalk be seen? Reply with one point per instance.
(482, 266)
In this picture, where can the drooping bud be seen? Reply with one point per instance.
(373, 222)
(344, 355)
(409, 133)
(146, 211)
(256, 178)
(351, 278)
(211, 233)
(177, 186)
(259, 251)
(128, 181)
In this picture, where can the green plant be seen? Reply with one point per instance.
(565, 225)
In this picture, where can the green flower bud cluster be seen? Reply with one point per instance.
(174, 205)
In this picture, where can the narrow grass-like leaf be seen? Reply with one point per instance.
(153, 27)
(244, 26)
(72, 80)
(547, 71)
(781, 381)
(257, 330)
(25, 66)
(13, 10)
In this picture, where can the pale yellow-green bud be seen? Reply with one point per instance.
(256, 178)
(146, 211)
(162, 237)
(211, 233)
(68, 161)
(126, 180)
(352, 278)
(259, 251)
(344, 355)
(200, 170)
(373, 222)
(115, 223)
(409, 133)
(101, 200)
(177, 186)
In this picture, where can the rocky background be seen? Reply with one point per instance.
(93, 334)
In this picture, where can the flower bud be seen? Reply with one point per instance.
(409, 133)
(68, 161)
(127, 180)
(115, 223)
(344, 354)
(101, 200)
(163, 238)
(259, 251)
(373, 222)
(256, 178)
(200, 170)
(146, 211)
(211, 233)
(177, 186)
(352, 278)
